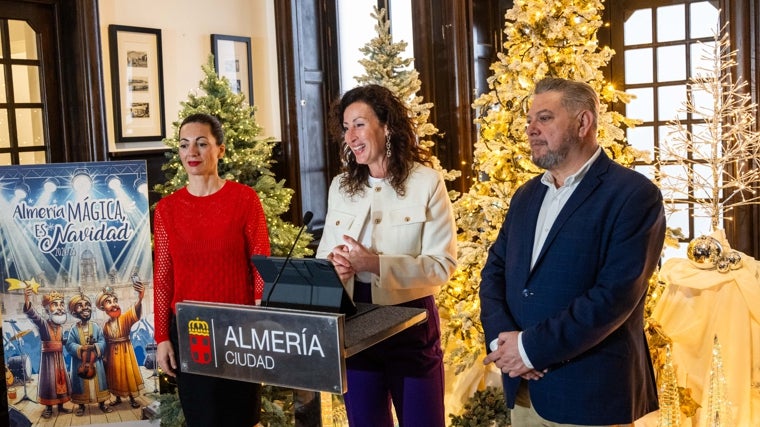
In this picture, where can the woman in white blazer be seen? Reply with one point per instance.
(391, 235)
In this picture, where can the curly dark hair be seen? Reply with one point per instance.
(391, 112)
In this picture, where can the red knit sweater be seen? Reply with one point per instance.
(203, 248)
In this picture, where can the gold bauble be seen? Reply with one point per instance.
(704, 252)
(722, 265)
(734, 259)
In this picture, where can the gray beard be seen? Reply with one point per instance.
(58, 319)
(554, 158)
(551, 159)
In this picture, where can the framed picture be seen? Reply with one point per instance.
(137, 83)
(232, 59)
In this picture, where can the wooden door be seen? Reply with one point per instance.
(47, 120)
(307, 48)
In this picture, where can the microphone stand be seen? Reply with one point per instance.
(306, 220)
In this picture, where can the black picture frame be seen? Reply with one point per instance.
(232, 59)
(137, 83)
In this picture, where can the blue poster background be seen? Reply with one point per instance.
(74, 228)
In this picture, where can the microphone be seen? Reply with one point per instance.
(306, 220)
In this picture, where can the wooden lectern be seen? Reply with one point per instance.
(299, 349)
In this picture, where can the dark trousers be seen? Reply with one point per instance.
(406, 370)
(209, 401)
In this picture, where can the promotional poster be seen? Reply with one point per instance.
(76, 273)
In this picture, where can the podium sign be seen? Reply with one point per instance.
(289, 348)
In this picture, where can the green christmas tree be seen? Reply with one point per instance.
(384, 66)
(247, 159)
(543, 38)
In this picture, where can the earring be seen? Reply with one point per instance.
(347, 153)
(387, 145)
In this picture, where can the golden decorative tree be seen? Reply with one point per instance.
(718, 411)
(543, 38)
(670, 413)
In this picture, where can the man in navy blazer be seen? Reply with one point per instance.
(563, 289)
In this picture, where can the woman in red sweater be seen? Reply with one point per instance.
(205, 235)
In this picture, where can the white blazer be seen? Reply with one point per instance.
(415, 235)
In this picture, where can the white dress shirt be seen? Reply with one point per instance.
(554, 201)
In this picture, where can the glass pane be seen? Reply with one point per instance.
(671, 23)
(703, 181)
(703, 141)
(32, 158)
(704, 20)
(641, 138)
(355, 28)
(702, 221)
(29, 125)
(640, 107)
(671, 63)
(3, 97)
(401, 26)
(5, 159)
(673, 182)
(702, 102)
(638, 66)
(670, 102)
(671, 142)
(5, 140)
(638, 28)
(26, 83)
(679, 217)
(647, 171)
(703, 59)
(23, 40)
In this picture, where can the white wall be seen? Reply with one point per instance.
(186, 27)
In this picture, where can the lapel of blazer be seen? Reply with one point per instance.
(581, 194)
(527, 221)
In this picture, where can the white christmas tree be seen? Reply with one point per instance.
(384, 66)
(718, 156)
(543, 38)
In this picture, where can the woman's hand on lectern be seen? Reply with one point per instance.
(165, 355)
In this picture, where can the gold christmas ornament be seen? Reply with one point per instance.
(722, 265)
(734, 259)
(704, 252)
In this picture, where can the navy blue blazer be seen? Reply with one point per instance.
(581, 306)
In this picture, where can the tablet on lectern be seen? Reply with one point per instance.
(303, 284)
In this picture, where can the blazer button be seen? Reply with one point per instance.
(377, 221)
(337, 223)
(526, 293)
(377, 189)
(406, 219)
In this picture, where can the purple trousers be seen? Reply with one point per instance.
(406, 369)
